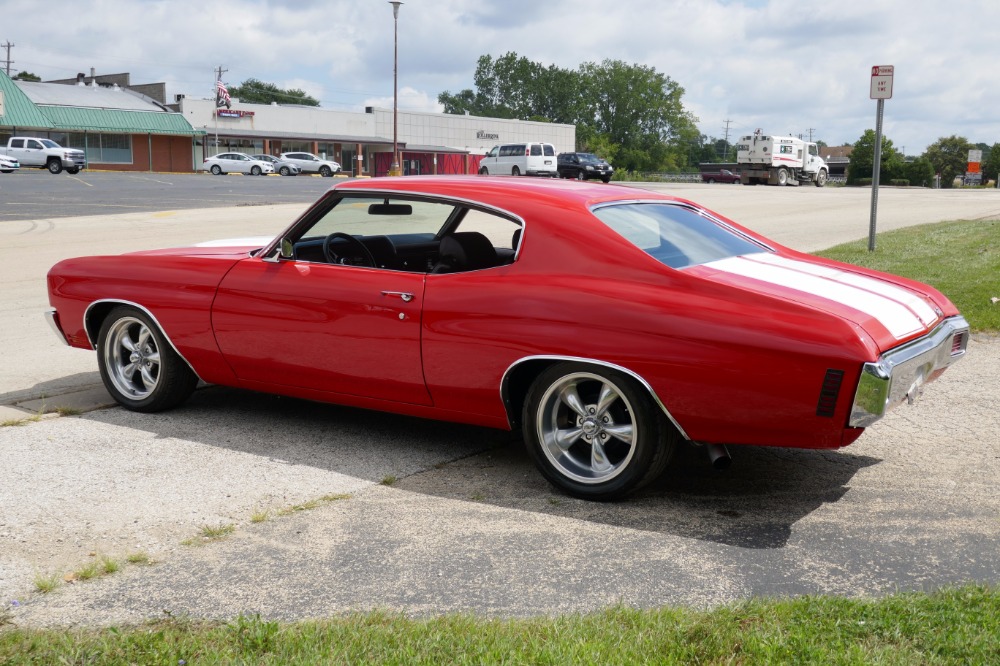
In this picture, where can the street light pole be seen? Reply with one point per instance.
(394, 170)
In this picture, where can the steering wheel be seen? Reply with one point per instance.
(333, 258)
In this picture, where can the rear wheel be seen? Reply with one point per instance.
(515, 172)
(595, 432)
(54, 165)
(216, 170)
(711, 181)
(140, 369)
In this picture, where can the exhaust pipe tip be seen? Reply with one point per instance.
(718, 456)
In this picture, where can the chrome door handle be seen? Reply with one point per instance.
(405, 295)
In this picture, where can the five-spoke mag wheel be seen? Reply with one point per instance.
(138, 366)
(594, 431)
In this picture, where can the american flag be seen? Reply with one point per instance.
(222, 95)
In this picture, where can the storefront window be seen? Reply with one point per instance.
(100, 148)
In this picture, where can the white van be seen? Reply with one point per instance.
(516, 159)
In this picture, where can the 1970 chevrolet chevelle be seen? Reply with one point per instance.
(609, 324)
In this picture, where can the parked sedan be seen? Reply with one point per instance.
(283, 167)
(609, 325)
(583, 166)
(309, 163)
(9, 164)
(236, 163)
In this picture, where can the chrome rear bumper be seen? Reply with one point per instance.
(900, 373)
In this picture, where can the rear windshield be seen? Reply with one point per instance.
(676, 235)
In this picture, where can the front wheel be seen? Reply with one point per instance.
(782, 177)
(595, 432)
(580, 175)
(255, 170)
(73, 170)
(325, 171)
(140, 369)
(54, 165)
(821, 178)
(484, 171)
(284, 171)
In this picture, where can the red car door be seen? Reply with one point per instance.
(325, 327)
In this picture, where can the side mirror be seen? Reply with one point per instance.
(287, 250)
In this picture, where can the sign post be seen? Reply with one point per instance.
(881, 90)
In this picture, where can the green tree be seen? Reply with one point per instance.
(949, 157)
(254, 91)
(862, 160)
(991, 164)
(26, 76)
(919, 172)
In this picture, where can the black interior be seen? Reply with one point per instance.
(455, 252)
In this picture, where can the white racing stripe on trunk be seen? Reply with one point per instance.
(896, 318)
(902, 295)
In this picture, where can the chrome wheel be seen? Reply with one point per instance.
(586, 427)
(132, 358)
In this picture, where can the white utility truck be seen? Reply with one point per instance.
(779, 160)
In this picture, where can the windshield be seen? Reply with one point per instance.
(676, 235)
(589, 157)
(49, 144)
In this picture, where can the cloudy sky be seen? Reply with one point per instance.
(786, 66)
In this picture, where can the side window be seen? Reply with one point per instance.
(505, 151)
(498, 229)
(536, 150)
(17, 143)
(34, 145)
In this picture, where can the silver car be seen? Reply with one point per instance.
(236, 163)
(309, 163)
(283, 167)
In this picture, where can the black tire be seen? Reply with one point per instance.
(54, 165)
(216, 170)
(580, 175)
(325, 171)
(711, 181)
(782, 177)
(821, 178)
(483, 171)
(515, 171)
(255, 170)
(153, 377)
(73, 170)
(284, 171)
(606, 180)
(594, 460)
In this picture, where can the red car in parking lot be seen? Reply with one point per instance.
(609, 324)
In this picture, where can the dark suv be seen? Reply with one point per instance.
(583, 166)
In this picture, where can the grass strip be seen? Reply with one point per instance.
(952, 626)
(961, 259)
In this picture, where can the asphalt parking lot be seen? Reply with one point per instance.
(468, 524)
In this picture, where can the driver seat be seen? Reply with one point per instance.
(465, 251)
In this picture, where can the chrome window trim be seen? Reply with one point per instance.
(145, 310)
(590, 361)
(900, 373)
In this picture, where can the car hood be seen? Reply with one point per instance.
(237, 247)
(890, 311)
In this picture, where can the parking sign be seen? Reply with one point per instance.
(882, 82)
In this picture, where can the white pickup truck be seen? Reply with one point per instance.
(35, 153)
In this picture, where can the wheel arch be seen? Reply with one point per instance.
(98, 311)
(520, 375)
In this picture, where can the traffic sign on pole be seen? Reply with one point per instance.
(881, 82)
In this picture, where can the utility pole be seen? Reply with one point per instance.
(811, 130)
(726, 130)
(8, 46)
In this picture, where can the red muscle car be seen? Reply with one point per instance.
(609, 324)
